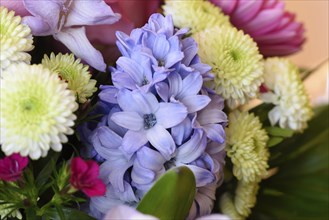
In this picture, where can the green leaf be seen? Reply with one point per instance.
(279, 132)
(48, 168)
(273, 141)
(300, 188)
(172, 195)
(66, 213)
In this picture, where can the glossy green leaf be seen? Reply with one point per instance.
(60, 213)
(172, 195)
(300, 188)
(273, 141)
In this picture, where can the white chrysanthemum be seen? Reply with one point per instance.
(287, 92)
(15, 39)
(197, 15)
(36, 111)
(73, 72)
(236, 62)
(5, 210)
(246, 146)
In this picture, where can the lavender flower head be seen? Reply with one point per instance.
(159, 116)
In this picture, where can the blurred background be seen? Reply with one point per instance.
(315, 16)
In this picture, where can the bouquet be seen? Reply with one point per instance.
(157, 110)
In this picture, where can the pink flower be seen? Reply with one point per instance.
(17, 6)
(11, 167)
(274, 29)
(84, 176)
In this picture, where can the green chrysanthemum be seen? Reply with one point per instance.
(36, 111)
(197, 15)
(7, 212)
(236, 62)
(287, 92)
(246, 146)
(74, 73)
(244, 200)
(15, 39)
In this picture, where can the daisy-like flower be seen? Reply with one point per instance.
(236, 62)
(73, 72)
(197, 15)
(15, 39)
(244, 200)
(284, 88)
(246, 146)
(36, 111)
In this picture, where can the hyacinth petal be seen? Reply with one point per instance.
(126, 212)
(202, 176)
(160, 138)
(37, 25)
(50, 12)
(126, 101)
(132, 141)
(132, 68)
(149, 158)
(210, 116)
(181, 131)
(162, 90)
(195, 103)
(215, 132)
(108, 94)
(129, 120)
(91, 12)
(161, 47)
(121, 80)
(192, 84)
(173, 58)
(104, 141)
(141, 175)
(192, 149)
(175, 84)
(75, 39)
(170, 114)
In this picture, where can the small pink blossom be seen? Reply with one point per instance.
(84, 176)
(11, 167)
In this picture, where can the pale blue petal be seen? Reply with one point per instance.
(181, 131)
(193, 148)
(91, 12)
(150, 159)
(162, 89)
(130, 120)
(132, 141)
(215, 132)
(170, 114)
(161, 47)
(147, 103)
(141, 175)
(202, 176)
(75, 40)
(122, 80)
(192, 84)
(195, 103)
(132, 68)
(126, 101)
(108, 94)
(175, 84)
(211, 116)
(38, 26)
(160, 138)
(48, 11)
(172, 58)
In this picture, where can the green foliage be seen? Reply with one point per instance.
(172, 195)
(300, 187)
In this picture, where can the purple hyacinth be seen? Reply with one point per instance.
(159, 116)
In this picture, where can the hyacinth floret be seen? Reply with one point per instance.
(157, 117)
(15, 39)
(198, 15)
(236, 63)
(36, 111)
(284, 89)
(246, 146)
(73, 72)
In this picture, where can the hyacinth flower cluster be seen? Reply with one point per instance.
(157, 116)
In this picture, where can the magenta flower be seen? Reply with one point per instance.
(84, 176)
(274, 29)
(11, 167)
